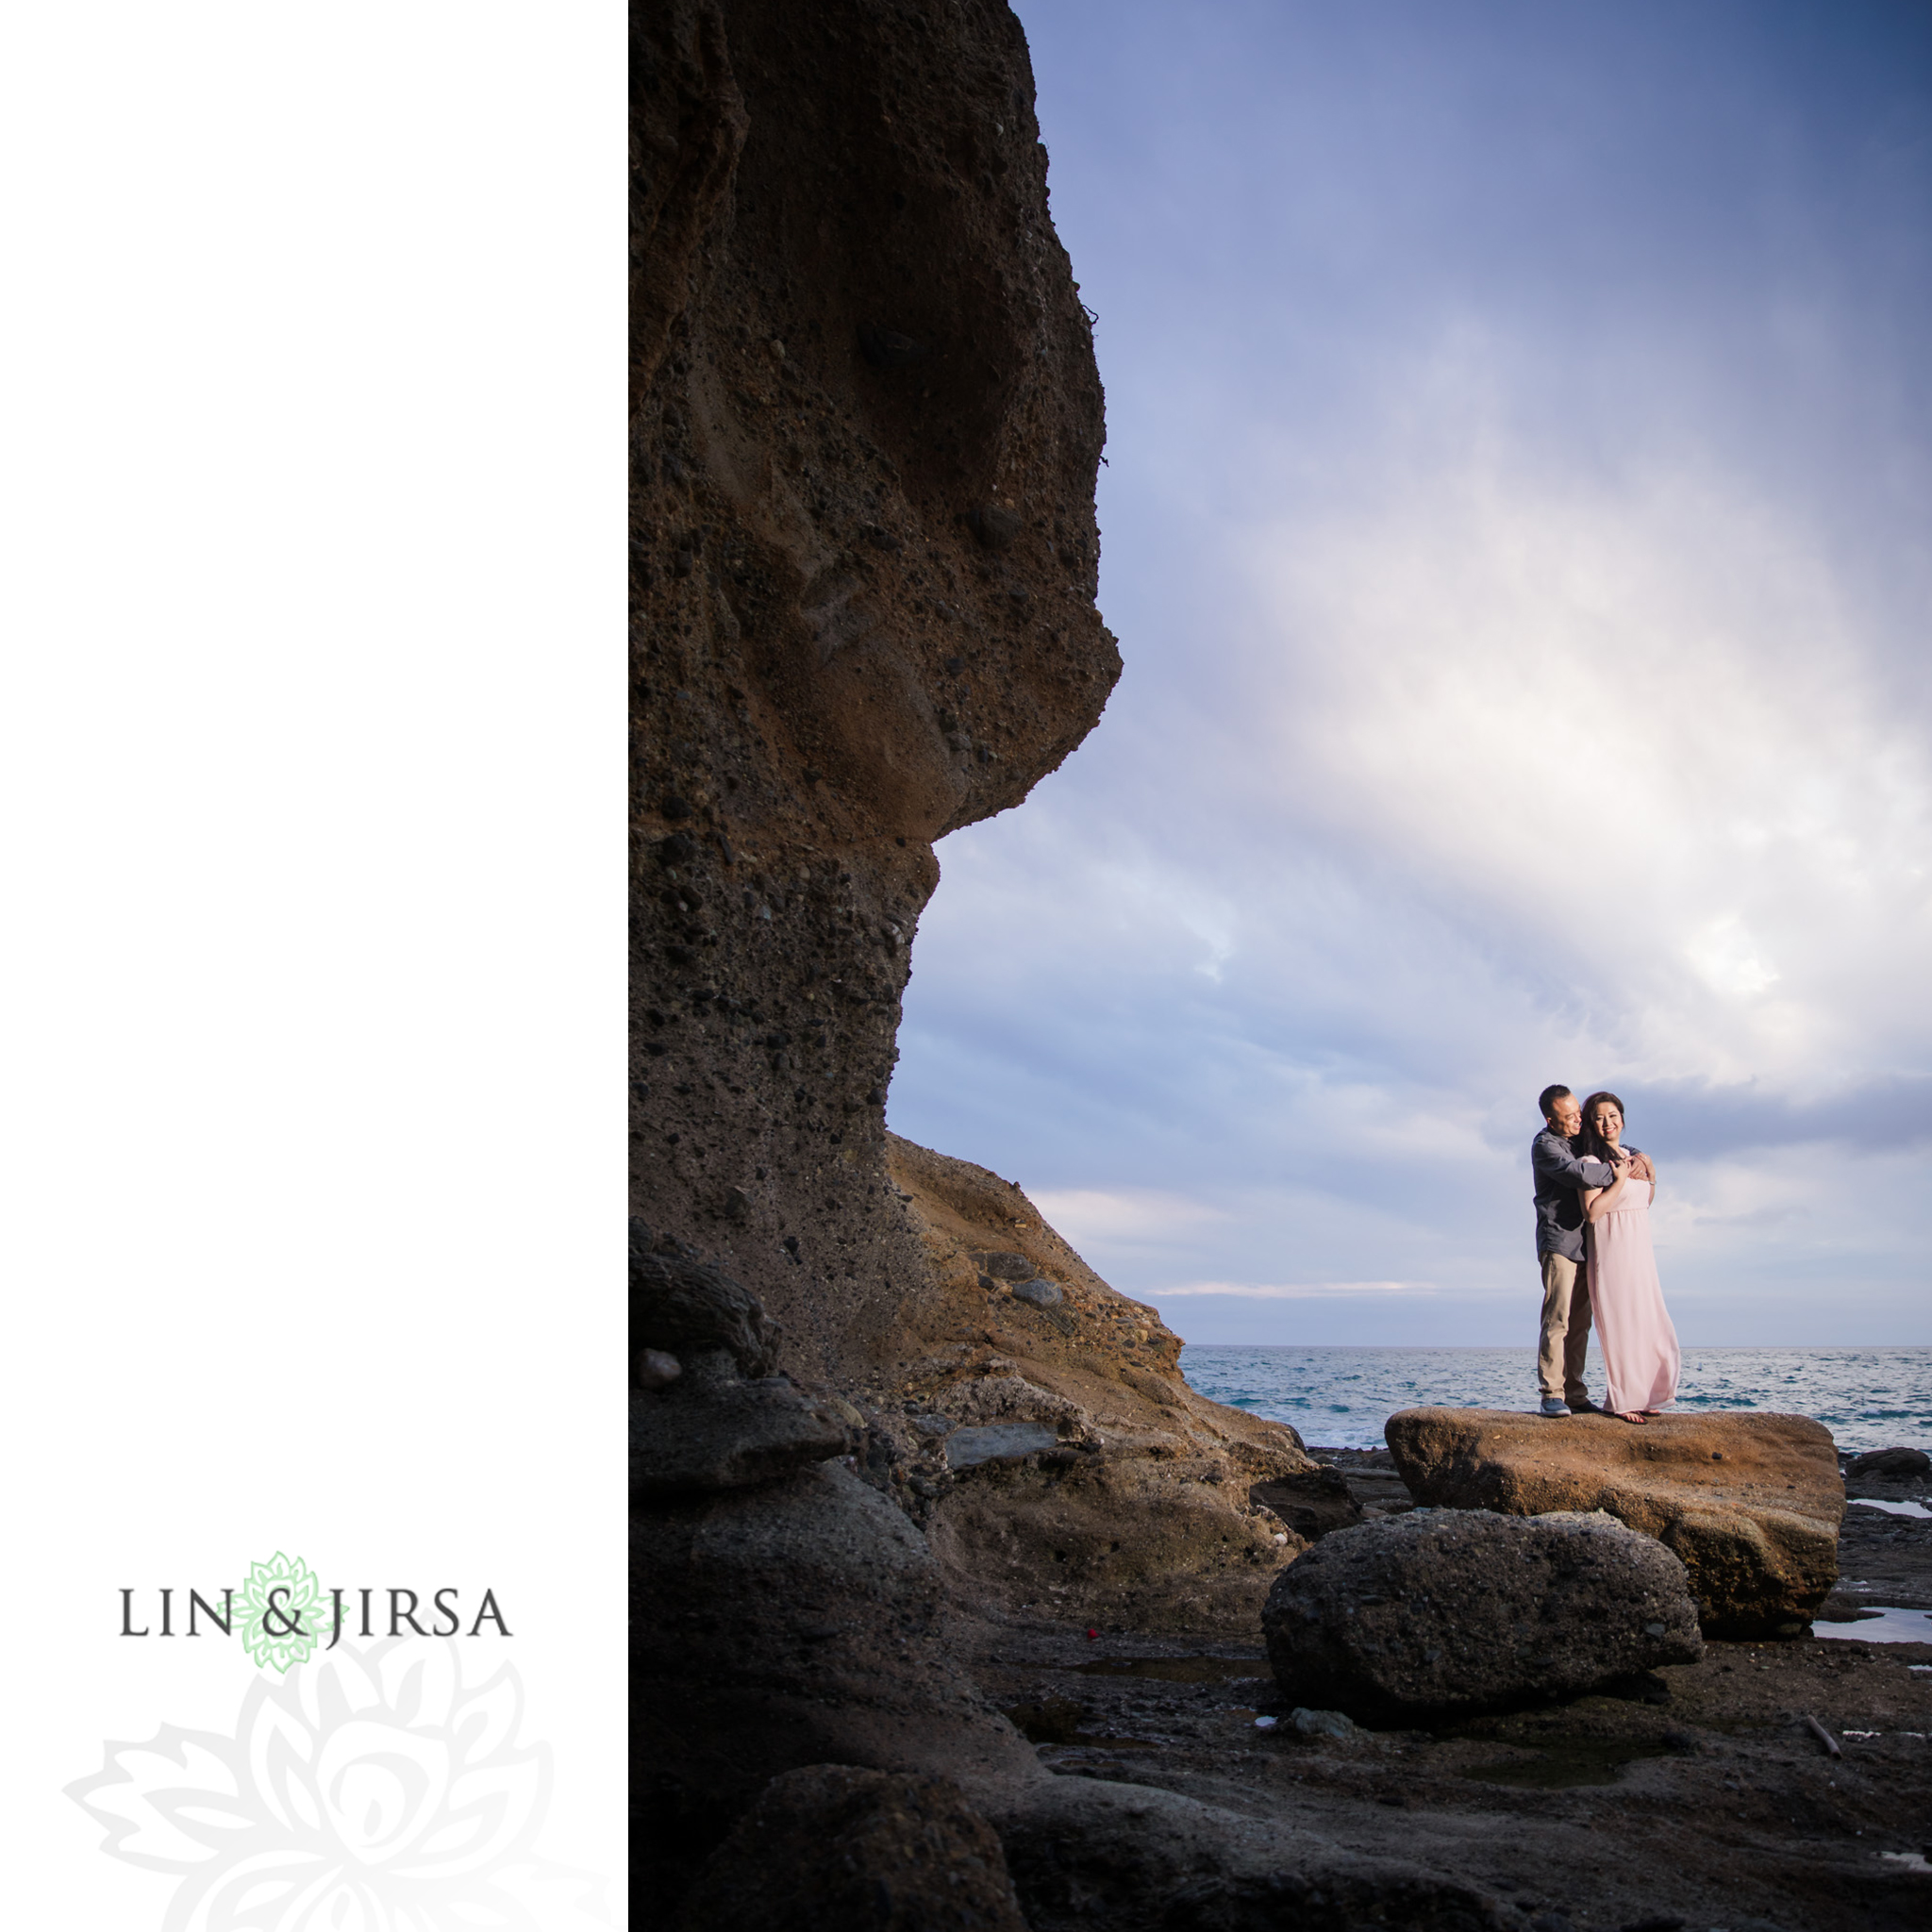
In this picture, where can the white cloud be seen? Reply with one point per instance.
(1726, 958)
(1093, 1214)
(1625, 723)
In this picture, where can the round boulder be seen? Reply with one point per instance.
(1446, 1612)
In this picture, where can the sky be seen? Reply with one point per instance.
(1516, 528)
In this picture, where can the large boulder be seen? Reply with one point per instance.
(1442, 1612)
(828, 1847)
(1750, 1503)
(797, 1622)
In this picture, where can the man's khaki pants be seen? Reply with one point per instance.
(1566, 1330)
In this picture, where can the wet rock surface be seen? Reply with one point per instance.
(1750, 1503)
(1446, 1612)
(828, 1848)
(1885, 1546)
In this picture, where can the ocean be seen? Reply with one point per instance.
(1869, 1398)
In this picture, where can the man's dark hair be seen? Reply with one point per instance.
(1549, 1097)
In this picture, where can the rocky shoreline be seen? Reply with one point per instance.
(948, 1594)
(1487, 1719)
(1695, 1795)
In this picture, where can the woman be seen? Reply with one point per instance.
(1640, 1347)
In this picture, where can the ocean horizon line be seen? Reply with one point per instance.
(1529, 1348)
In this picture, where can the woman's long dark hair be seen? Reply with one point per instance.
(1594, 1147)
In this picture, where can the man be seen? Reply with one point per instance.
(1560, 1179)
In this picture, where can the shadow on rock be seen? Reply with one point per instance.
(828, 1848)
(784, 1612)
(1134, 1859)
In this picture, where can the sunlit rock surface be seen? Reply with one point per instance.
(1750, 1503)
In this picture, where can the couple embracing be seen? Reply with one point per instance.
(1593, 1239)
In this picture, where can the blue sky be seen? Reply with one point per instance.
(1516, 526)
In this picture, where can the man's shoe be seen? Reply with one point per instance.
(1555, 1404)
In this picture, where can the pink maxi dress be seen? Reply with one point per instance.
(1633, 1327)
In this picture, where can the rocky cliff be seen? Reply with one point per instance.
(866, 425)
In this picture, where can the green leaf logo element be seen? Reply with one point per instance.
(281, 1611)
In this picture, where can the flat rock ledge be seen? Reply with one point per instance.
(840, 1845)
(716, 1431)
(1442, 1613)
(1750, 1503)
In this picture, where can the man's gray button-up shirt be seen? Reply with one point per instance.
(1560, 1179)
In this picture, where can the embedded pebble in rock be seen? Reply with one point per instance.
(1040, 1293)
(1323, 1724)
(658, 1368)
(1004, 1265)
(1001, 1443)
(1456, 1612)
(994, 526)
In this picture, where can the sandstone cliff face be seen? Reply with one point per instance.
(866, 425)
(1130, 1502)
